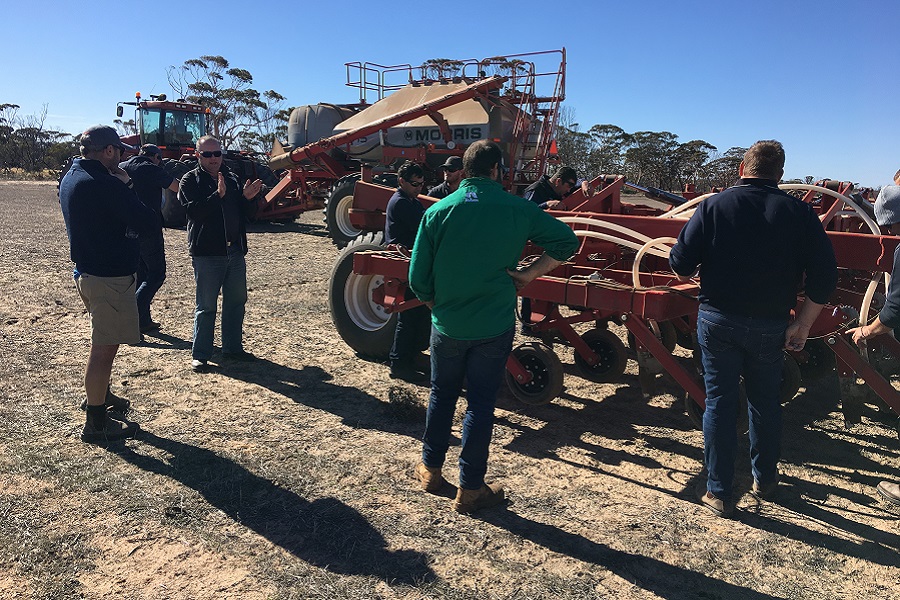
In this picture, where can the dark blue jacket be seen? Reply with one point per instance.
(540, 192)
(754, 244)
(149, 181)
(103, 217)
(890, 313)
(199, 194)
(402, 217)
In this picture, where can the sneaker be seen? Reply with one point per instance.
(429, 478)
(409, 375)
(765, 491)
(112, 402)
(151, 326)
(468, 501)
(113, 430)
(241, 356)
(199, 366)
(718, 506)
(889, 491)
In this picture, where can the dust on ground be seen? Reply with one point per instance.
(290, 477)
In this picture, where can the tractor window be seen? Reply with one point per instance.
(184, 128)
(151, 132)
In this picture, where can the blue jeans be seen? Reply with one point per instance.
(482, 364)
(212, 274)
(151, 272)
(731, 346)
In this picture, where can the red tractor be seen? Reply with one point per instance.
(175, 127)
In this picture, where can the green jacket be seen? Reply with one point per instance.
(465, 244)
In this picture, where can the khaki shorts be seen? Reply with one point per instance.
(113, 308)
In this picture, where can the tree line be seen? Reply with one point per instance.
(648, 158)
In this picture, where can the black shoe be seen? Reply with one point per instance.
(112, 430)
(112, 403)
(151, 326)
(409, 375)
(199, 366)
(242, 356)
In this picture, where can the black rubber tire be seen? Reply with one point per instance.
(337, 212)
(790, 378)
(612, 353)
(172, 209)
(820, 363)
(546, 370)
(358, 321)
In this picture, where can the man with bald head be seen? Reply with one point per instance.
(218, 207)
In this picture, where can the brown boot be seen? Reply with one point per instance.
(429, 478)
(468, 501)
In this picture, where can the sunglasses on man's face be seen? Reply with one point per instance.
(414, 183)
(450, 170)
(211, 153)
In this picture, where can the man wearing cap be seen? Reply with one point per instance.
(149, 179)
(402, 216)
(887, 213)
(218, 208)
(546, 192)
(102, 213)
(453, 174)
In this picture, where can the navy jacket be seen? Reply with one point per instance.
(540, 192)
(149, 181)
(103, 217)
(402, 219)
(754, 244)
(199, 194)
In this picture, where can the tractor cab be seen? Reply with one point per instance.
(173, 126)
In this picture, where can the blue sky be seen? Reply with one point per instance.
(821, 76)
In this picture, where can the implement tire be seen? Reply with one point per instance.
(337, 212)
(362, 323)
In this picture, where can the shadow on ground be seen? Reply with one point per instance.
(325, 532)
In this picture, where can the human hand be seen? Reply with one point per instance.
(858, 335)
(221, 188)
(120, 174)
(587, 188)
(553, 203)
(795, 337)
(251, 188)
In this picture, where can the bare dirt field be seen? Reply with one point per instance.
(290, 477)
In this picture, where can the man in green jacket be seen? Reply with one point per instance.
(464, 268)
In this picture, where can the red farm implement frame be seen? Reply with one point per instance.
(631, 285)
(526, 95)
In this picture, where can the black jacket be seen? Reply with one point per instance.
(205, 211)
(540, 192)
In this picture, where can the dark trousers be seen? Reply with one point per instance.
(151, 273)
(481, 364)
(412, 333)
(732, 346)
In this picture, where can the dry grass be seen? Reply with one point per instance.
(290, 477)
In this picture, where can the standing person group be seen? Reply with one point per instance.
(149, 179)
(463, 268)
(754, 245)
(104, 216)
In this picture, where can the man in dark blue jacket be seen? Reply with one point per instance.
(402, 217)
(103, 217)
(149, 179)
(218, 208)
(754, 244)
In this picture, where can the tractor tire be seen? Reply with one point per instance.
(172, 209)
(612, 353)
(361, 323)
(546, 370)
(337, 212)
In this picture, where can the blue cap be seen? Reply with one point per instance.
(99, 137)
